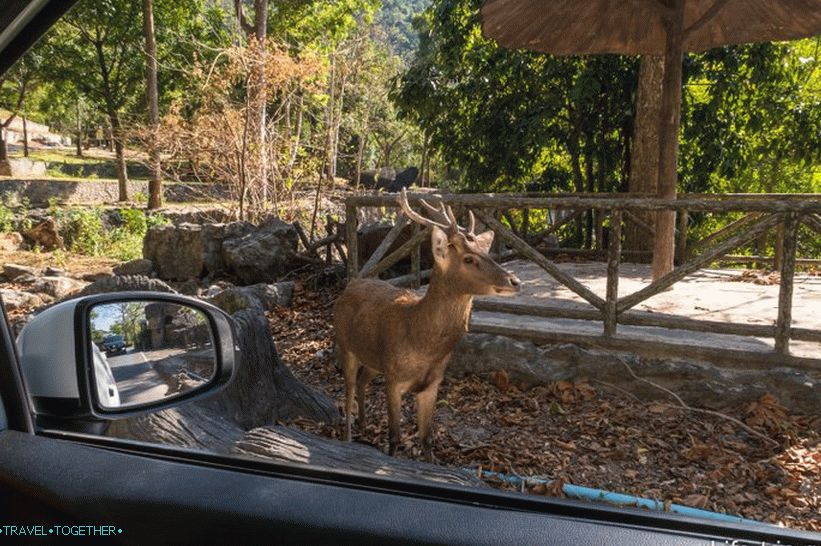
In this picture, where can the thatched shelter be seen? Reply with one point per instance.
(660, 27)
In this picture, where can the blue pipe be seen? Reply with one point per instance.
(617, 499)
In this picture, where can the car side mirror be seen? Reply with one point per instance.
(118, 355)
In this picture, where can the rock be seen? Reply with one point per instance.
(262, 255)
(139, 266)
(54, 272)
(176, 251)
(367, 179)
(215, 289)
(261, 297)
(404, 179)
(213, 237)
(96, 276)
(126, 283)
(700, 384)
(57, 287)
(17, 299)
(10, 242)
(189, 288)
(13, 271)
(46, 235)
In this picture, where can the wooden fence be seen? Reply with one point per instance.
(763, 213)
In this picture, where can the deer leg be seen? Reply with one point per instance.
(350, 365)
(425, 408)
(394, 398)
(365, 376)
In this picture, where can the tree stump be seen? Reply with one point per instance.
(263, 392)
(296, 446)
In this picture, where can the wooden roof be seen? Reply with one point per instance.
(571, 27)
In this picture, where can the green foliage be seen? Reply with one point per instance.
(517, 119)
(85, 231)
(6, 219)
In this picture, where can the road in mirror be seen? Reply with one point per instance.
(145, 351)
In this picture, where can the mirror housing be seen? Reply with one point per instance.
(65, 374)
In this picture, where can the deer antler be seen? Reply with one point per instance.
(445, 212)
(418, 218)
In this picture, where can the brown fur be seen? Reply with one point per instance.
(409, 338)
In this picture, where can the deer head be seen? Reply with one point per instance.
(461, 258)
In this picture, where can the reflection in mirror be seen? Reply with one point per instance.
(146, 351)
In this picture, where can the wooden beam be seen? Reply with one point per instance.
(642, 318)
(681, 247)
(399, 253)
(529, 252)
(726, 230)
(696, 263)
(652, 349)
(351, 238)
(396, 230)
(416, 260)
(768, 203)
(708, 16)
(784, 321)
(639, 222)
(732, 258)
(812, 221)
(613, 258)
(411, 278)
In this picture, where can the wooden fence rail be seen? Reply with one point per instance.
(764, 213)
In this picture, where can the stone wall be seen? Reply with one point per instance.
(700, 384)
(38, 192)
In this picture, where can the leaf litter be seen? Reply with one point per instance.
(582, 432)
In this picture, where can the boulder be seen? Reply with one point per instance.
(260, 297)
(176, 251)
(12, 271)
(10, 242)
(57, 287)
(139, 266)
(123, 283)
(367, 179)
(404, 179)
(46, 235)
(95, 276)
(262, 255)
(213, 237)
(189, 288)
(17, 299)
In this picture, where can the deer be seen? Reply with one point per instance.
(407, 337)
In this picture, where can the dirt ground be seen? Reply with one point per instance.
(585, 433)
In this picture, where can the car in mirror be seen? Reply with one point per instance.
(110, 356)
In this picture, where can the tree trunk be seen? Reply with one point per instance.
(4, 151)
(119, 150)
(360, 152)
(669, 121)
(79, 130)
(644, 155)
(25, 138)
(152, 98)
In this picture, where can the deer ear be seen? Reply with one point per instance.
(439, 244)
(484, 240)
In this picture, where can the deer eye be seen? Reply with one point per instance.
(468, 259)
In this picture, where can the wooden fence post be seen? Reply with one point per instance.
(613, 258)
(416, 260)
(783, 324)
(681, 250)
(351, 240)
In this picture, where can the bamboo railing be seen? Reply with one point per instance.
(763, 214)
